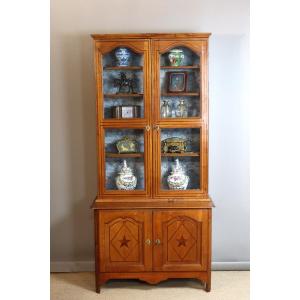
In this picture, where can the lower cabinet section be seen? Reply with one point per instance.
(153, 244)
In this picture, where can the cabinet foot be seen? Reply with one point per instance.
(98, 289)
(207, 286)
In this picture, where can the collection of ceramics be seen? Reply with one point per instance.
(123, 57)
(177, 180)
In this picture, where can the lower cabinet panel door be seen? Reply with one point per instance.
(125, 241)
(180, 240)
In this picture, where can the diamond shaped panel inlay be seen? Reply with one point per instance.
(125, 240)
(180, 240)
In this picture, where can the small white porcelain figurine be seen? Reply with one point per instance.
(126, 180)
(177, 180)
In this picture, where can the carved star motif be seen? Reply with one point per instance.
(124, 242)
(181, 241)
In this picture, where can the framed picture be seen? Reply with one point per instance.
(177, 82)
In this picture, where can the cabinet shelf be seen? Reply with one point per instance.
(122, 95)
(123, 155)
(124, 68)
(179, 94)
(180, 154)
(180, 67)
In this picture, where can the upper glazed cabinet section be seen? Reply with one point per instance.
(122, 72)
(180, 82)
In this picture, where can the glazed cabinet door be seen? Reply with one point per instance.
(125, 241)
(180, 73)
(180, 160)
(125, 161)
(123, 76)
(180, 114)
(181, 240)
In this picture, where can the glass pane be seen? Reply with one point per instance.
(124, 159)
(180, 84)
(180, 158)
(123, 84)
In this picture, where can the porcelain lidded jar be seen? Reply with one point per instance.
(176, 57)
(126, 180)
(177, 180)
(123, 57)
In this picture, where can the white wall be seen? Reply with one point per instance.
(73, 134)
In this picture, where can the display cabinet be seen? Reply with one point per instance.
(152, 212)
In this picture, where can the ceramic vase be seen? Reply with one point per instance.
(123, 57)
(126, 179)
(177, 180)
(176, 57)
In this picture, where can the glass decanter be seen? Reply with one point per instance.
(181, 109)
(165, 110)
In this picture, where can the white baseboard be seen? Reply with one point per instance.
(72, 266)
(88, 266)
(230, 266)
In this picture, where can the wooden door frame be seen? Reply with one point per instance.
(162, 46)
(200, 47)
(135, 194)
(141, 46)
(203, 218)
(157, 192)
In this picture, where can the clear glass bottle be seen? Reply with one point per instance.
(165, 110)
(181, 109)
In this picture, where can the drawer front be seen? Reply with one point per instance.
(124, 240)
(181, 240)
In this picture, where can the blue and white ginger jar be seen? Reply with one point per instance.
(123, 57)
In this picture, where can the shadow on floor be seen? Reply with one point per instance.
(86, 280)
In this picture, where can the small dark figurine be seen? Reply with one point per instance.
(123, 81)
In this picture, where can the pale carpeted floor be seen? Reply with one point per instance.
(229, 285)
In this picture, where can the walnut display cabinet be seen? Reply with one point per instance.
(152, 126)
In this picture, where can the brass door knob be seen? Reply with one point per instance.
(157, 242)
(148, 242)
(156, 127)
(148, 127)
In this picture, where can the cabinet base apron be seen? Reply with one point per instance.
(155, 277)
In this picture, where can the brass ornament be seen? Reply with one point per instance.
(127, 145)
(174, 145)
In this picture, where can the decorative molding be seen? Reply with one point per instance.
(88, 266)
